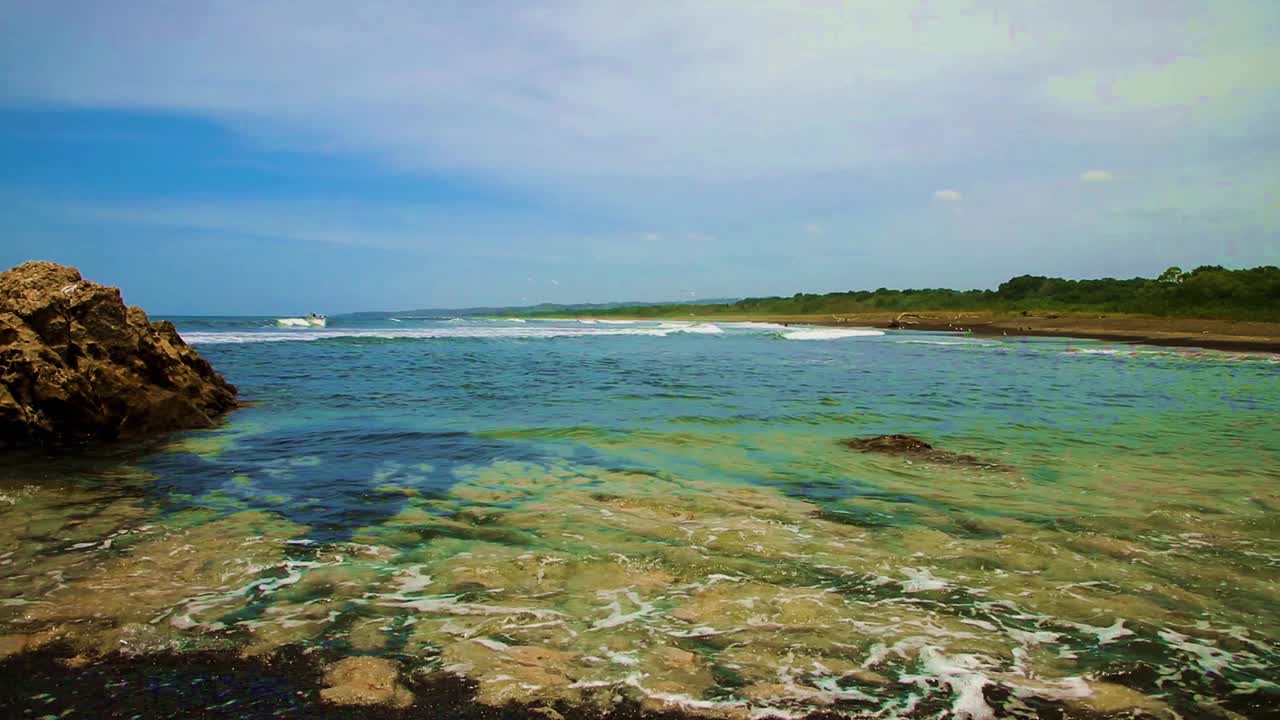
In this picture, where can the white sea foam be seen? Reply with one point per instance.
(828, 333)
(701, 329)
(748, 325)
(215, 338)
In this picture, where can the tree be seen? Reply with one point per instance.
(1172, 275)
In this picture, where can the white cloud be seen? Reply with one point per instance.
(742, 117)
(565, 89)
(1095, 176)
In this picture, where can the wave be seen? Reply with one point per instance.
(515, 333)
(752, 325)
(494, 331)
(699, 329)
(829, 333)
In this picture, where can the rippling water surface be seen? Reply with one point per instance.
(584, 513)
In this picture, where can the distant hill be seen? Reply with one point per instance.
(539, 309)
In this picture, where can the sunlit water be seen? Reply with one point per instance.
(663, 512)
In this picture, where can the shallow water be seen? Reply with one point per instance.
(583, 512)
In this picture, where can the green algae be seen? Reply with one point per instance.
(575, 583)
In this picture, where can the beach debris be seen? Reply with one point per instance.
(900, 321)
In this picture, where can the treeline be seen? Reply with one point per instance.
(1209, 291)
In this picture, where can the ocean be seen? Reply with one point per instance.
(582, 514)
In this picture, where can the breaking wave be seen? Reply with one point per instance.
(829, 333)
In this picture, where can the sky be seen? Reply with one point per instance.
(240, 158)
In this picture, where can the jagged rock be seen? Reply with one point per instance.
(914, 448)
(76, 364)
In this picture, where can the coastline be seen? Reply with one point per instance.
(1209, 334)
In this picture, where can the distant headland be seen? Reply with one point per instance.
(1210, 306)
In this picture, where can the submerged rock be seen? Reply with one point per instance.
(365, 681)
(893, 444)
(76, 364)
(913, 447)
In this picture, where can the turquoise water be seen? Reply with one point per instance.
(576, 512)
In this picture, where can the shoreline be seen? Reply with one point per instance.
(1209, 334)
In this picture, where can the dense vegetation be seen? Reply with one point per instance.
(1209, 291)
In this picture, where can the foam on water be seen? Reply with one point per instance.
(701, 329)
(203, 338)
(585, 544)
(755, 325)
(829, 333)
(455, 328)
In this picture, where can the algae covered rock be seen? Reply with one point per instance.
(912, 447)
(77, 364)
(365, 680)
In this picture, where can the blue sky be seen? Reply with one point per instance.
(231, 157)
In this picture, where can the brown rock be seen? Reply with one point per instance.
(77, 365)
(365, 681)
(679, 659)
(914, 448)
(890, 444)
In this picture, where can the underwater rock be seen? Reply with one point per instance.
(365, 681)
(915, 448)
(76, 364)
(894, 444)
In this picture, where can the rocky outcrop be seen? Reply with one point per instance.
(914, 448)
(77, 365)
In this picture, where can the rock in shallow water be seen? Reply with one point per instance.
(915, 448)
(365, 681)
(76, 364)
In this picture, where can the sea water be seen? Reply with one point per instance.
(583, 513)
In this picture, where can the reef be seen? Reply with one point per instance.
(77, 364)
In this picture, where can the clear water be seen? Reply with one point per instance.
(577, 512)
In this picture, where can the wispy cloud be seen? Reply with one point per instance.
(564, 88)
(742, 120)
